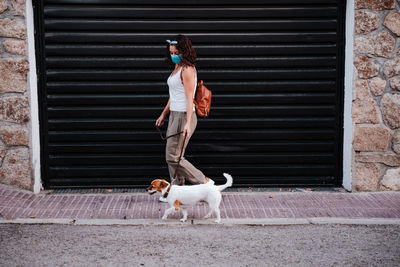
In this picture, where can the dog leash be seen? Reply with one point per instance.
(180, 156)
(165, 138)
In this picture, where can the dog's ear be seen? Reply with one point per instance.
(164, 184)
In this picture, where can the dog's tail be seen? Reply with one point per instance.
(229, 181)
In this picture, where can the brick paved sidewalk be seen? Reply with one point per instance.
(235, 205)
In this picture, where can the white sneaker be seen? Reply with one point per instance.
(163, 199)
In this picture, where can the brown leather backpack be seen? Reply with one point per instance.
(202, 99)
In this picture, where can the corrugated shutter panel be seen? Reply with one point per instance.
(275, 69)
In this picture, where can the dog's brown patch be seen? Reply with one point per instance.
(176, 204)
(164, 184)
(207, 180)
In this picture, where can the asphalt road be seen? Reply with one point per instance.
(199, 245)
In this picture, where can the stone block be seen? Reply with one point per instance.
(366, 67)
(392, 67)
(13, 75)
(390, 108)
(384, 44)
(389, 159)
(12, 28)
(14, 46)
(395, 83)
(364, 45)
(14, 135)
(15, 169)
(366, 176)
(377, 85)
(374, 4)
(3, 151)
(18, 7)
(365, 22)
(381, 45)
(396, 141)
(392, 22)
(391, 180)
(15, 109)
(364, 108)
(371, 138)
(3, 6)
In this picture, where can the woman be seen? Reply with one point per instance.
(181, 53)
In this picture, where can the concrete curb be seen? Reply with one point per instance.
(322, 220)
(225, 222)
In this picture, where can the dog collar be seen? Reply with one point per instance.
(166, 192)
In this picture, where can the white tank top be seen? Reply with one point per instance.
(177, 92)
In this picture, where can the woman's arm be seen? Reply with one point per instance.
(160, 120)
(166, 109)
(188, 76)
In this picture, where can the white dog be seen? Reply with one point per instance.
(189, 195)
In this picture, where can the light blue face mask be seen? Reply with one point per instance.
(176, 59)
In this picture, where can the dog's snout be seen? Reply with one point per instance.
(151, 190)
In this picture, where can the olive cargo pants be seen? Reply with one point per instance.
(186, 171)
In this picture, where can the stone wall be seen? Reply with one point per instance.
(14, 97)
(376, 96)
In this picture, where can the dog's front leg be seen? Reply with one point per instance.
(218, 213)
(167, 212)
(185, 213)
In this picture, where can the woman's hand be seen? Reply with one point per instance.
(186, 130)
(160, 120)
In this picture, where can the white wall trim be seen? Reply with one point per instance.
(348, 98)
(34, 137)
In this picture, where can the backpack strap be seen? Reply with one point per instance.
(181, 73)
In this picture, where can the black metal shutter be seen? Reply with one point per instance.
(275, 69)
